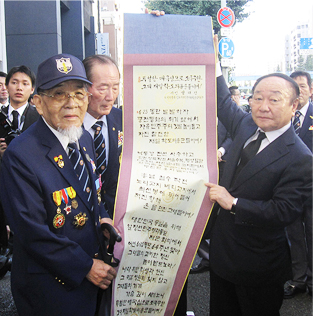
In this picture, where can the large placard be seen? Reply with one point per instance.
(169, 153)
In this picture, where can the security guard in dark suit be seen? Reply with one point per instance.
(50, 193)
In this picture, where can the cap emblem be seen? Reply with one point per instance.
(64, 65)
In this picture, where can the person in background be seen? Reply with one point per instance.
(235, 94)
(3, 91)
(300, 232)
(20, 84)
(104, 122)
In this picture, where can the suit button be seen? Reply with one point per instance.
(104, 191)
(96, 255)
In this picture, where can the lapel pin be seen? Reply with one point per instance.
(59, 160)
(74, 204)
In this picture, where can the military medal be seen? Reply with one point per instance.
(57, 200)
(311, 128)
(58, 220)
(80, 220)
(59, 160)
(67, 208)
(120, 138)
(87, 157)
(71, 192)
(98, 184)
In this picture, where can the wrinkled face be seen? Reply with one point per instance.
(3, 90)
(105, 89)
(66, 113)
(273, 103)
(19, 89)
(305, 90)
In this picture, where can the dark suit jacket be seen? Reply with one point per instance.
(223, 140)
(115, 131)
(31, 116)
(50, 264)
(306, 130)
(250, 247)
(223, 137)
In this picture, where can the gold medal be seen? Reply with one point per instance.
(74, 204)
(80, 220)
(58, 220)
(61, 163)
(59, 160)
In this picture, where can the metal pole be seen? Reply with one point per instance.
(224, 69)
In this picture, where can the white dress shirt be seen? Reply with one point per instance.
(89, 121)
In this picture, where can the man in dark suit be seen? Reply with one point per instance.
(249, 253)
(103, 72)
(300, 232)
(48, 189)
(19, 114)
(20, 84)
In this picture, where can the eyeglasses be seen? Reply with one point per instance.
(63, 96)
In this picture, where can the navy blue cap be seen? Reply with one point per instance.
(59, 68)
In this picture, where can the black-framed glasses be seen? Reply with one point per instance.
(63, 96)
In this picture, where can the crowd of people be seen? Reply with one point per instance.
(59, 170)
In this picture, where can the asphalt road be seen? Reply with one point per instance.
(198, 298)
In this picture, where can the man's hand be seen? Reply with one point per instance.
(220, 195)
(219, 156)
(101, 274)
(3, 146)
(154, 12)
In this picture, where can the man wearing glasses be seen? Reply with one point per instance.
(49, 187)
(104, 122)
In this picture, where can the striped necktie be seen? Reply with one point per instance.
(296, 122)
(100, 149)
(80, 168)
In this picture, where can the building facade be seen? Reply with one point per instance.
(32, 31)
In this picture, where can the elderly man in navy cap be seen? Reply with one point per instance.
(50, 194)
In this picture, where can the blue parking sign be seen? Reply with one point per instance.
(306, 43)
(226, 47)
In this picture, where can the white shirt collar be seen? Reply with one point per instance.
(304, 109)
(271, 136)
(20, 110)
(89, 121)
